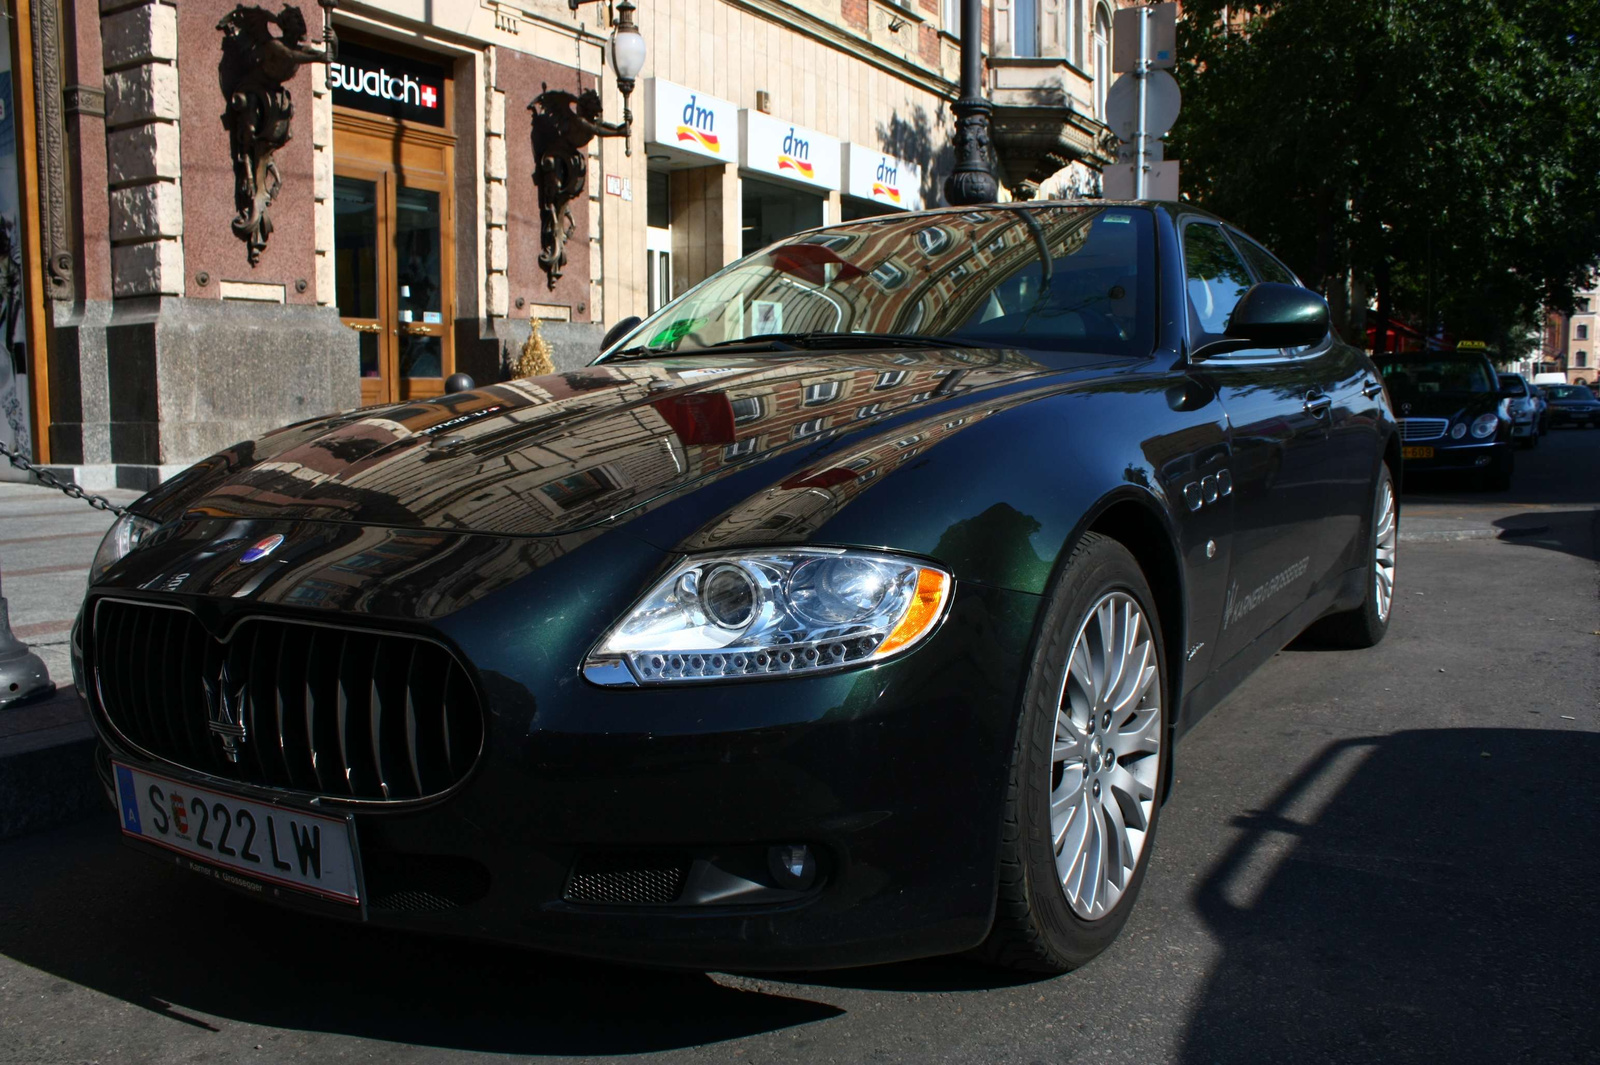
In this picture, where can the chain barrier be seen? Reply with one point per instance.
(50, 480)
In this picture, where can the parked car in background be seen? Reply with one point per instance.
(1452, 413)
(1544, 408)
(1550, 378)
(1573, 405)
(1524, 407)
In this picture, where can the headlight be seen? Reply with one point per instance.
(1485, 425)
(1458, 430)
(125, 534)
(771, 613)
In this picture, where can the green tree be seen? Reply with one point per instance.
(1443, 155)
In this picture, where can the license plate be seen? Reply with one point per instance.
(1416, 453)
(307, 852)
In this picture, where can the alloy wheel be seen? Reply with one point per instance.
(1107, 755)
(1386, 538)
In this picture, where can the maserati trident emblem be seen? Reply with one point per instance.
(225, 713)
(262, 548)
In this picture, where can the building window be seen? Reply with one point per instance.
(1102, 59)
(871, 410)
(933, 240)
(823, 392)
(1583, 332)
(810, 428)
(889, 379)
(889, 274)
(739, 450)
(1583, 358)
(746, 409)
(1583, 304)
(1025, 27)
(952, 17)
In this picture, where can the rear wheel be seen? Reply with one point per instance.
(1367, 625)
(1087, 770)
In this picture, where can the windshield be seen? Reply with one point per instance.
(1568, 392)
(1044, 278)
(1444, 373)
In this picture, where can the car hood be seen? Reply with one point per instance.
(552, 455)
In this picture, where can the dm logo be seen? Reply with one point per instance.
(796, 155)
(262, 548)
(886, 182)
(699, 124)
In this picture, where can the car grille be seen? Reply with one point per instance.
(1422, 428)
(302, 707)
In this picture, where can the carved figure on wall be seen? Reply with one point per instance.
(254, 69)
(563, 126)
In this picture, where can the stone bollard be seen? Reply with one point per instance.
(23, 675)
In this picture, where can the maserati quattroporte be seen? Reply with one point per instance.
(850, 608)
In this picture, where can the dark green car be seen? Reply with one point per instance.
(848, 609)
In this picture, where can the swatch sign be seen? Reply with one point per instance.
(366, 79)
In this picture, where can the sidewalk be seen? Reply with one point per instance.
(47, 541)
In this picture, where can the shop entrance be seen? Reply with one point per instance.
(394, 253)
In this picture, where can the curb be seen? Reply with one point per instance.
(1443, 536)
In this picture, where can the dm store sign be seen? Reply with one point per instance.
(883, 178)
(397, 86)
(788, 151)
(689, 124)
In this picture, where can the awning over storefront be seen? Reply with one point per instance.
(792, 153)
(688, 127)
(872, 175)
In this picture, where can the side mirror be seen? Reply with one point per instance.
(618, 331)
(1271, 315)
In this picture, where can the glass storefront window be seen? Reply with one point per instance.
(773, 211)
(416, 240)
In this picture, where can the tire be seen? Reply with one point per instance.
(1037, 928)
(1367, 625)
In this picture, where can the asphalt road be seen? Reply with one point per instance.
(1387, 855)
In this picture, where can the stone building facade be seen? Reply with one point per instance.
(404, 236)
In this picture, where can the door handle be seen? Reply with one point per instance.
(1371, 389)
(1317, 404)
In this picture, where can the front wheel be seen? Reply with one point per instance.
(1087, 769)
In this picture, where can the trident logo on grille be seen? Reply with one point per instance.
(225, 712)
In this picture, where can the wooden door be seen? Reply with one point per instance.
(394, 244)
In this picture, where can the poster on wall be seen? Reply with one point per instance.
(14, 431)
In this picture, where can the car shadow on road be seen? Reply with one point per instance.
(1423, 896)
(75, 904)
(1571, 532)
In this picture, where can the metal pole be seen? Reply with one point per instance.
(972, 181)
(1141, 71)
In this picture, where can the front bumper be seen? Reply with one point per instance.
(1447, 454)
(892, 775)
(1583, 418)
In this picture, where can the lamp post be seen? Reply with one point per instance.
(627, 59)
(972, 181)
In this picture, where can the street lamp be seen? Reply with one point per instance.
(972, 181)
(627, 59)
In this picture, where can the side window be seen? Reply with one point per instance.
(1261, 261)
(1215, 278)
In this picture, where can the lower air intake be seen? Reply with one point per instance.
(626, 880)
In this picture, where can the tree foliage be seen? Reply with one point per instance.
(1444, 154)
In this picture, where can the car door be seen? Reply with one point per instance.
(1279, 423)
(1355, 422)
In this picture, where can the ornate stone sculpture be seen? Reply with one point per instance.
(255, 65)
(563, 126)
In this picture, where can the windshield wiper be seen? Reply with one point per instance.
(821, 338)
